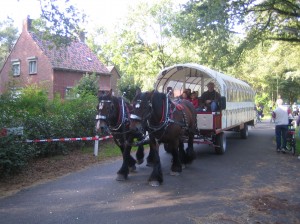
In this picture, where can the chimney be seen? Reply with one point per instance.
(82, 36)
(27, 24)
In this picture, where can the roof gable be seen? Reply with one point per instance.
(113, 68)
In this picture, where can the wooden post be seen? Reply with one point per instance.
(96, 146)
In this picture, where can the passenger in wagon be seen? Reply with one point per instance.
(211, 98)
(189, 93)
(194, 100)
(184, 95)
(170, 92)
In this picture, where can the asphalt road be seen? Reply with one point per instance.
(250, 183)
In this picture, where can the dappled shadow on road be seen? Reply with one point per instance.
(250, 183)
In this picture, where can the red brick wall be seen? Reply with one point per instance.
(64, 79)
(104, 82)
(23, 49)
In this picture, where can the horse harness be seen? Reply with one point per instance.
(169, 108)
(123, 119)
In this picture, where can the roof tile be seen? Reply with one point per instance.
(76, 57)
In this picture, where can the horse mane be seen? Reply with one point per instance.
(158, 101)
(157, 98)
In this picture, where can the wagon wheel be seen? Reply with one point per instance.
(220, 143)
(244, 132)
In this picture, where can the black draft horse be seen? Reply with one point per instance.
(113, 114)
(166, 122)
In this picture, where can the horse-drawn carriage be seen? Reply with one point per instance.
(236, 106)
(173, 122)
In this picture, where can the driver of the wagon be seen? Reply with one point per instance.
(211, 97)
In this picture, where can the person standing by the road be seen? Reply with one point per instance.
(281, 117)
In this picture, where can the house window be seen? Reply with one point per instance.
(16, 67)
(69, 93)
(32, 63)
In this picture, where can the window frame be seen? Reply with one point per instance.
(69, 93)
(14, 63)
(32, 70)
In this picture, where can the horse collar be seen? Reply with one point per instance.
(121, 117)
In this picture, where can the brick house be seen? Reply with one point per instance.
(115, 76)
(33, 60)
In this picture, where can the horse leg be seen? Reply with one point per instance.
(176, 167)
(131, 163)
(124, 170)
(131, 160)
(151, 156)
(182, 154)
(128, 161)
(156, 177)
(140, 154)
(190, 153)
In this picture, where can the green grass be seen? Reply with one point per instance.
(107, 149)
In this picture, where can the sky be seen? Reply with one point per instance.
(100, 12)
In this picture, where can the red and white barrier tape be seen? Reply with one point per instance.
(70, 139)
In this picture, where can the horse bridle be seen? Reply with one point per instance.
(138, 105)
(105, 118)
(146, 117)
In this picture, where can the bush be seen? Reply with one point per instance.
(298, 141)
(43, 119)
(14, 154)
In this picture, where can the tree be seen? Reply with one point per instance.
(128, 86)
(272, 69)
(226, 28)
(8, 37)
(87, 85)
(59, 22)
(142, 44)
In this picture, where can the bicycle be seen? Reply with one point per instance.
(258, 118)
(290, 139)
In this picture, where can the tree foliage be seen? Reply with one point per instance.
(272, 68)
(142, 43)
(8, 37)
(128, 85)
(59, 22)
(87, 85)
(226, 28)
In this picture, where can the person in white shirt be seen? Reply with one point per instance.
(281, 118)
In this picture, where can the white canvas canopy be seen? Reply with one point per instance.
(195, 77)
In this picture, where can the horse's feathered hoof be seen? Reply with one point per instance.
(140, 161)
(183, 166)
(173, 173)
(132, 169)
(154, 183)
(120, 177)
